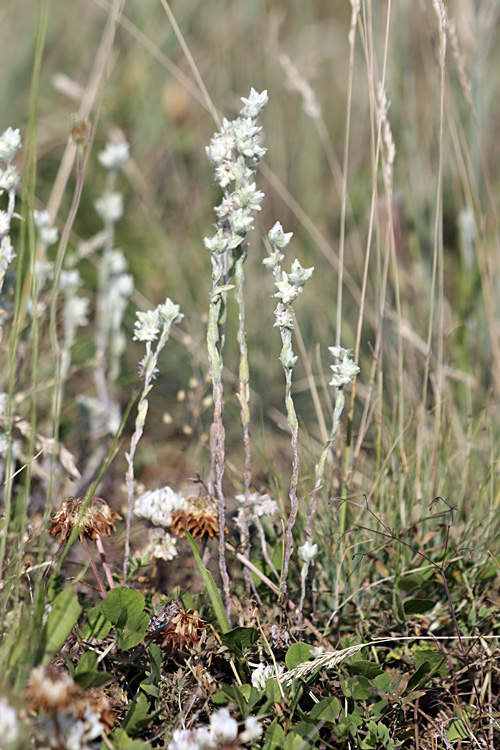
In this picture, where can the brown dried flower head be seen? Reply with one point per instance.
(199, 515)
(97, 521)
(176, 627)
(98, 702)
(51, 690)
(80, 130)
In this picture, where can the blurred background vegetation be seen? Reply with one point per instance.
(152, 96)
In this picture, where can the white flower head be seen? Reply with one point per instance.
(308, 552)
(161, 545)
(252, 731)
(7, 253)
(110, 207)
(156, 506)
(9, 729)
(115, 156)
(254, 104)
(47, 234)
(10, 142)
(9, 179)
(223, 726)
(4, 223)
(345, 372)
(147, 326)
(278, 238)
(263, 673)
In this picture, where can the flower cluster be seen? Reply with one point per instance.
(68, 717)
(148, 326)
(97, 521)
(9, 728)
(288, 285)
(260, 505)
(221, 733)
(10, 143)
(156, 506)
(264, 672)
(176, 627)
(234, 153)
(345, 372)
(161, 545)
(47, 234)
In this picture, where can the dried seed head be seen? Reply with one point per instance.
(176, 627)
(198, 515)
(95, 700)
(52, 690)
(80, 130)
(97, 521)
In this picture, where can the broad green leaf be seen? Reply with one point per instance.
(327, 710)
(420, 677)
(96, 624)
(149, 689)
(383, 681)
(240, 638)
(418, 606)
(297, 654)
(457, 731)
(209, 582)
(294, 741)
(365, 668)
(122, 599)
(272, 690)
(219, 699)
(121, 741)
(137, 715)
(416, 580)
(124, 607)
(87, 673)
(61, 620)
(435, 660)
(274, 736)
(361, 688)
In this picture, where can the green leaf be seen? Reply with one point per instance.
(136, 718)
(96, 625)
(361, 689)
(120, 600)
(365, 668)
(436, 662)
(420, 677)
(61, 620)
(155, 660)
(150, 689)
(272, 690)
(220, 698)
(240, 638)
(209, 582)
(327, 710)
(297, 654)
(121, 741)
(294, 741)
(414, 581)
(418, 606)
(124, 607)
(457, 731)
(274, 736)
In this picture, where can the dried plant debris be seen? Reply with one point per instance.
(97, 521)
(176, 627)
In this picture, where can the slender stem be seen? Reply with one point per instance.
(105, 563)
(94, 568)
